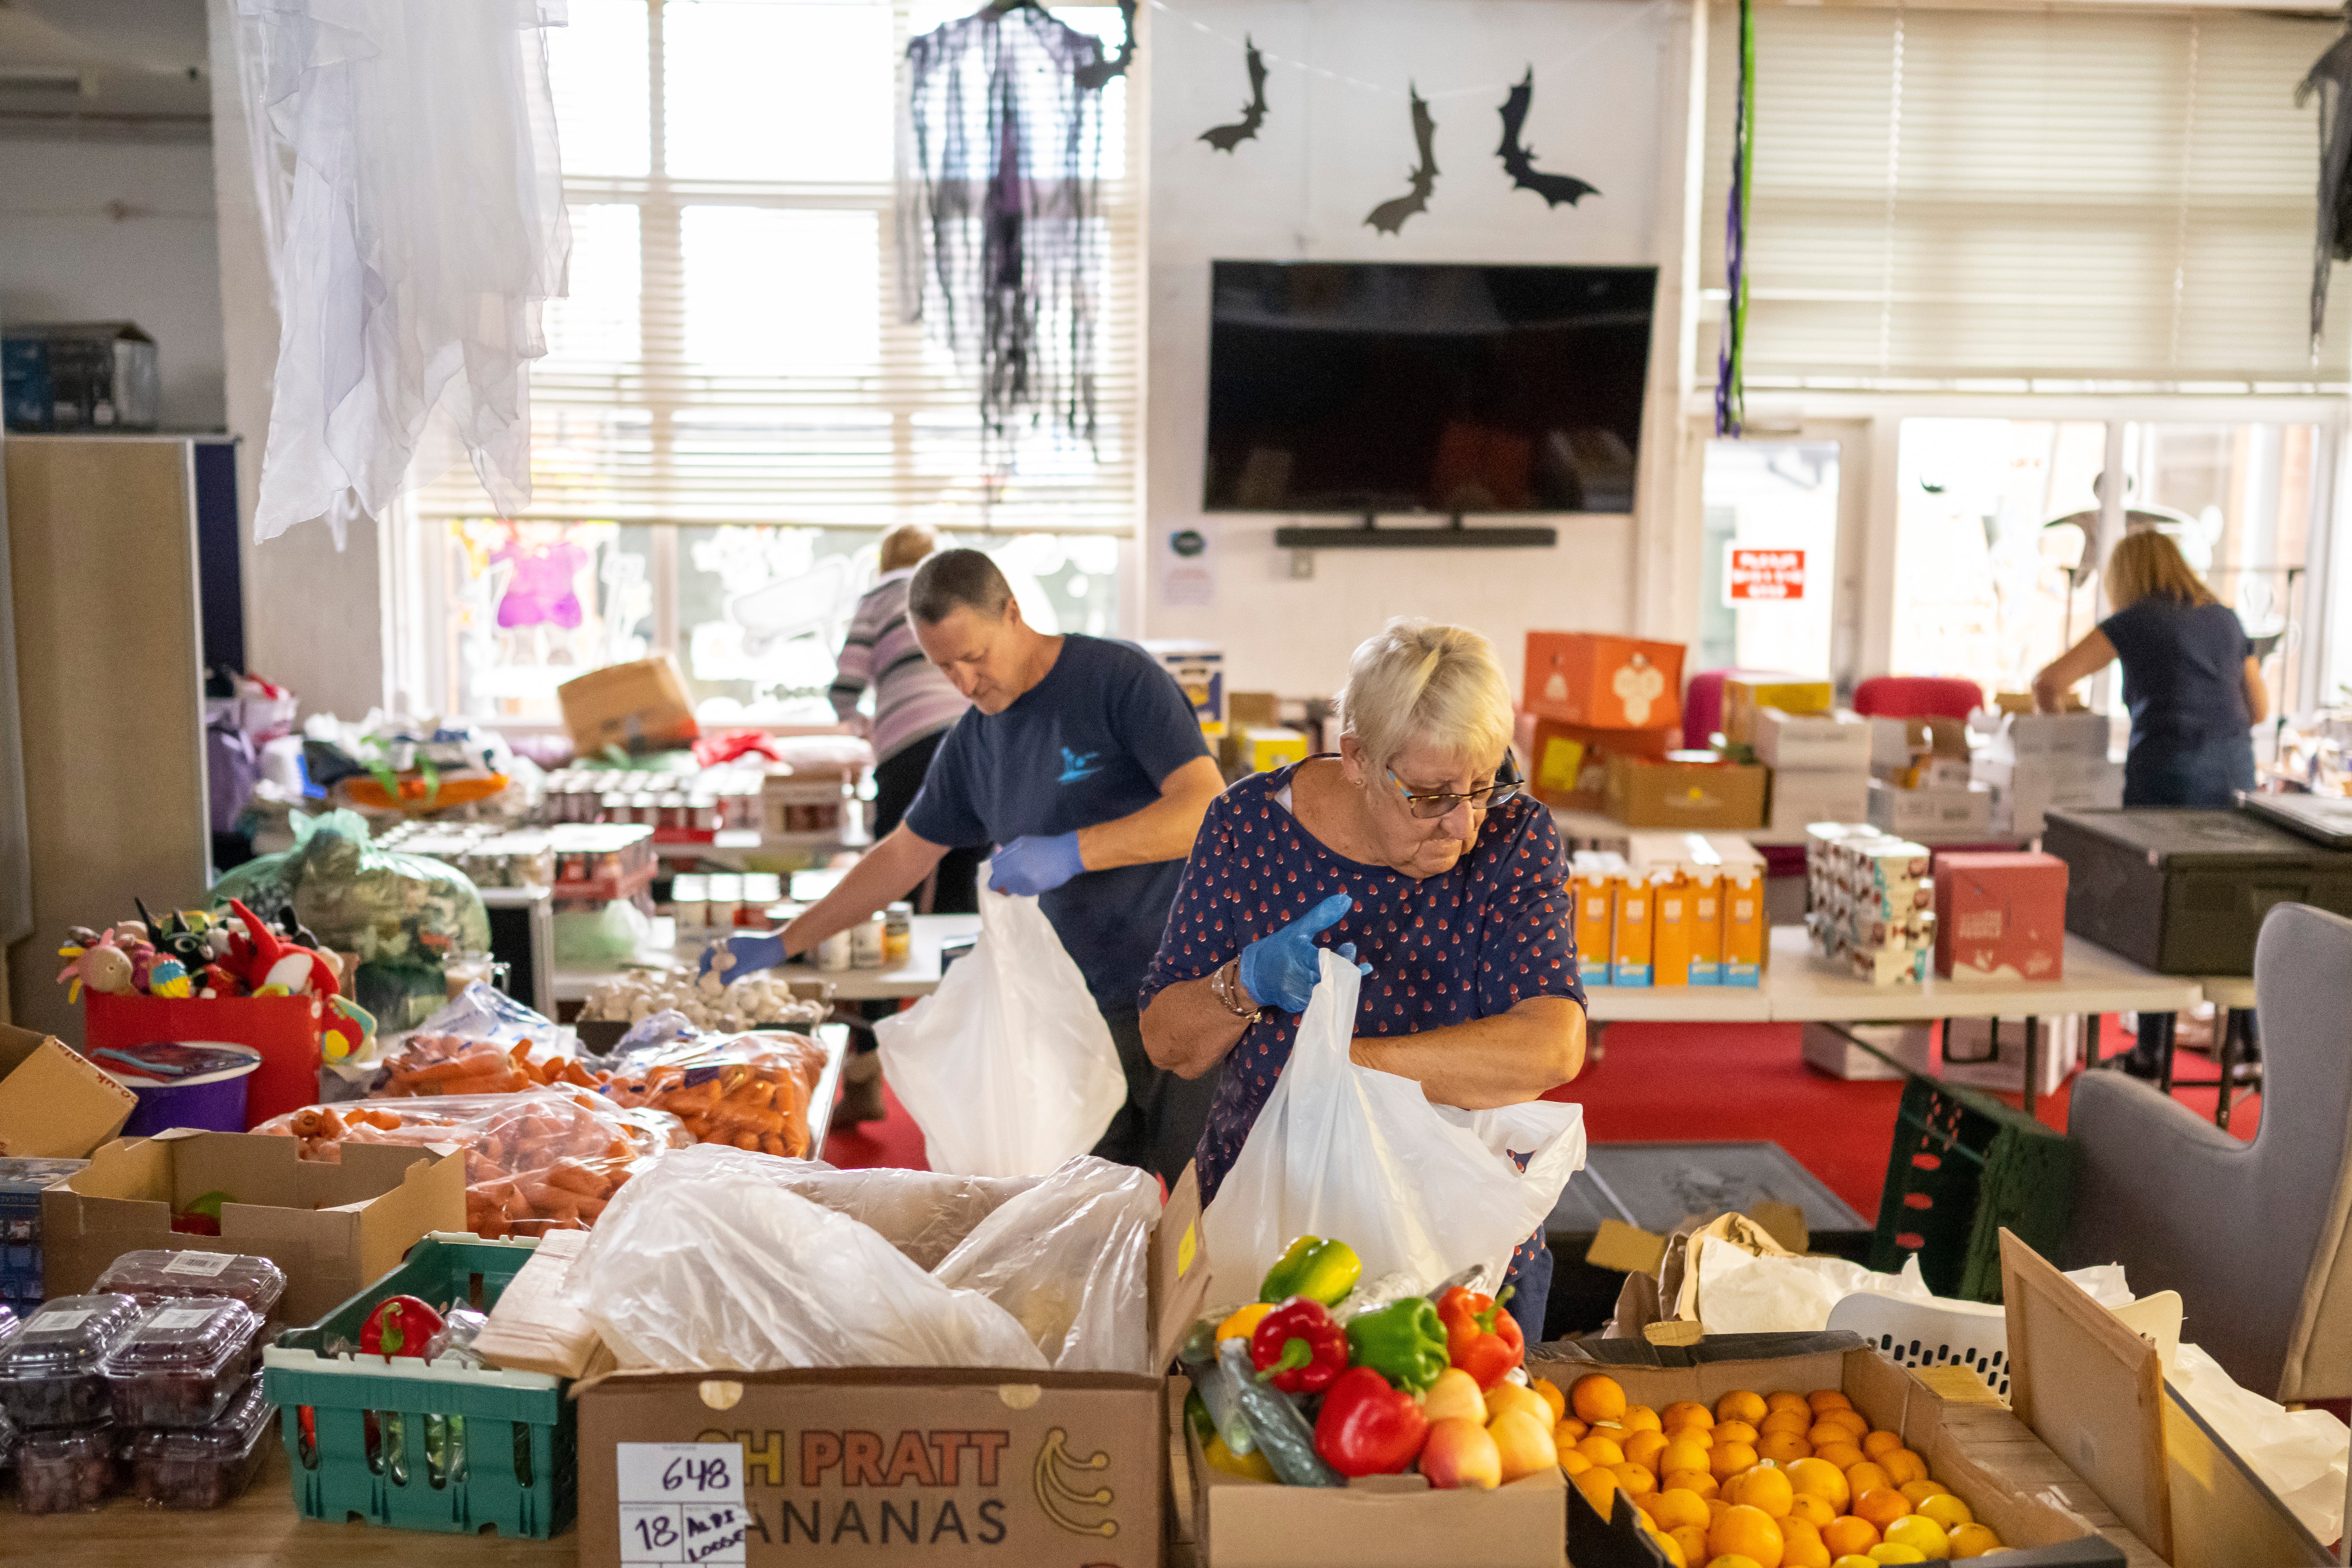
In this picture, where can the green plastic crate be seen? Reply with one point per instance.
(426, 1448)
(1964, 1167)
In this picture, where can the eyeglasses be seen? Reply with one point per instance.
(1429, 808)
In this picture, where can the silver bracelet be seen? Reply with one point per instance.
(1224, 986)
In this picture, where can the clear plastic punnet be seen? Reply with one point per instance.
(53, 1373)
(154, 1276)
(184, 1363)
(203, 1467)
(69, 1471)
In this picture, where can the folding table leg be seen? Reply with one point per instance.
(2091, 1043)
(2032, 1038)
(2225, 1026)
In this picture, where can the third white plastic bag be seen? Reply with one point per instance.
(1007, 1068)
(1360, 1157)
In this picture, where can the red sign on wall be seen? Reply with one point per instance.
(1763, 577)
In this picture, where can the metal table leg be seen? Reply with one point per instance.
(2226, 1025)
(2091, 1043)
(2166, 1026)
(2032, 1039)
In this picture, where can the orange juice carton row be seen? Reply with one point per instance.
(1677, 910)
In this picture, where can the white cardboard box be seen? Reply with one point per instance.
(1909, 1043)
(1802, 796)
(1944, 813)
(2026, 790)
(2022, 735)
(2060, 1053)
(1822, 742)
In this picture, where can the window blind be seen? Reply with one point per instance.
(732, 350)
(1956, 198)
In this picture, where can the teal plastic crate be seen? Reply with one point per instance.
(418, 1446)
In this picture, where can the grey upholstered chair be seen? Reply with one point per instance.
(2252, 1235)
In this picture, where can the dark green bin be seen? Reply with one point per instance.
(450, 1450)
(1964, 1167)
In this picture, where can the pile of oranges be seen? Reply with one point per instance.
(1777, 1480)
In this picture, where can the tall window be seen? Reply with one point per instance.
(732, 407)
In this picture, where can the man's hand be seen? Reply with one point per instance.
(1029, 866)
(746, 954)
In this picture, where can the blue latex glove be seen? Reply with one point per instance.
(1280, 971)
(753, 951)
(1030, 866)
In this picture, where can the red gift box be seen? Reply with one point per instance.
(286, 1030)
(2001, 916)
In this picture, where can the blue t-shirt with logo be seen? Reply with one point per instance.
(1091, 742)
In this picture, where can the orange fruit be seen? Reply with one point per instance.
(1739, 1405)
(1600, 1450)
(1822, 1433)
(1642, 1448)
(1684, 1413)
(1640, 1418)
(1670, 1549)
(1783, 1448)
(1716, 1509)
(1572, 1463)
(1785, 1399)
(1921, 1490)
(1678, 1506)
(1896, 1552)
(1854, 1560)
(1848, 1536)
(1692, 1539)
(1923, 1535)
(1844, 1456)
(1766, 1487)
(1878, 1443)
(1698, 1481)
(1882, 1506)
(1597, 1396)
(1974, 1541)
(1800, 1545)
(1822, 1399)
(1570, 1426)
(1813, 1511)
(1746, 1532)
(1733, 1559)
(1634, 1480)
(1822, 1479)
(1682, 1454)
(1599, 1489)
(1852, 1419)
(1945, 1510)
(1784, 1419)
(1902, 1465)
(1549, 1392)
(1867, 1477)
(1729, 1460)
(1735, 1431)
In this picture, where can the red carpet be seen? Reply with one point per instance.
(1685, 1082)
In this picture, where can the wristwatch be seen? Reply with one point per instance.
(1225, 985)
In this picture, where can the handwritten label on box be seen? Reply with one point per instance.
(681, 1503)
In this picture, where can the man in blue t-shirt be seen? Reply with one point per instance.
(1083, 760)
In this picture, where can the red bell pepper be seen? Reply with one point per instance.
(1481, 1338)
(1299, 1347)
(1368, 1429)
(400, 1325)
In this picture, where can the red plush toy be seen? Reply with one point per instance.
(262, 958)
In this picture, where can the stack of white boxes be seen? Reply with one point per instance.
(1874, 902)
(1821, 768)
(2035, 763)
(1920, 780)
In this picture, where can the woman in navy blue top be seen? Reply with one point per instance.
(2190, 680)
(1411, 851)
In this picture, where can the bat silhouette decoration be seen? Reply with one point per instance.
(1226, 138)
(1096, 77)
(1389, 216)
(1519, 160)
(2331, 78)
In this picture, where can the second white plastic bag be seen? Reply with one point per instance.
(1008, 1068)
(1342, 1151)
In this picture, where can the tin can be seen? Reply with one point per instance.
(836, 953)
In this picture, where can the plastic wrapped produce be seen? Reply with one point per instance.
(69, 1471)
(53, 1373)
(923, 1214)
(9, 1324)
(184, 1363)
(204, 1466)
(1069, 1260)
(547, 1159)
(152, 1276)
(483, 1042)
(751, 1091)
(705, 1001)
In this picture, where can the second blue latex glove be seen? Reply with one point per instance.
(1280, 971)
(1030, 866)
(752, 952)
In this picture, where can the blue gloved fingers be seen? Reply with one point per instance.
(1032, 865)
(1363, 969)
(1347, 950)
(1327, 913)
(746, 954)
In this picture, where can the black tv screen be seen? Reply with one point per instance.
(1367, 388)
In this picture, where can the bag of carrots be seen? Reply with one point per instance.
(748, 1091)
(483, 1042)
(540, 1160)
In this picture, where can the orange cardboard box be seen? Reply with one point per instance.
(1567, 764)
(1630, 946)
(1603, 682)
(1706, 930)
(1671, 901)
(1594, 883)
(1686, 794)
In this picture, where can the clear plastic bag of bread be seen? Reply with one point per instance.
(717, 1257)
(483, 1042)
(748, 1091)
(542, 1160)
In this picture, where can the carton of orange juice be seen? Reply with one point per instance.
(1593, 883)
(1629, 947)
(1670, 927)
(1706, 925)
(1745, 935)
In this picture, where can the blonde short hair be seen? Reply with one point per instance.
(905, 544)
(2148, 564)
(1417, 681)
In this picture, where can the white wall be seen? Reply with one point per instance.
(119, 231)
(1608, 99)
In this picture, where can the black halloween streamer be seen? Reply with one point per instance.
(2331, 78)
(1390, 216)
(1519, 160)
(1226, 138)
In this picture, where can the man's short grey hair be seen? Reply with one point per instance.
(1420, 683)
(954, 579)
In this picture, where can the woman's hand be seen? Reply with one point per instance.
(1487, 1063)
(1280, 971)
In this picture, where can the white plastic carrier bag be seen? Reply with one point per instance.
(1008, 1068)
(1360, 1156)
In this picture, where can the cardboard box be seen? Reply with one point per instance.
(54, 1104)
(333, 1229)
(286, 1030)
(1595, 884)
(2000, 917)
(1603, 682)
(1911, 1045)
(1945, 813)
(1199, 670)
(1630, 942)
(1685, 794)
(2022, 735)
(1800, 798)
(1061, 1469)
(1261, 751)
(1744, 696)
(1567, 764)
(1986, 1456)
(1747, 929)
(2025, 790)
(1821, 742)
(1707, 928)
(1976, 1055)
(22, 1182)
(640, 707)
(1898, 742)
(1673, 914)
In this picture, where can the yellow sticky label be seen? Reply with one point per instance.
(1188, 1246)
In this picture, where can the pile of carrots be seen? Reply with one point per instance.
(751, 1092)
(452, 1064)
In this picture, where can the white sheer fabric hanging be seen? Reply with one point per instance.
(406, 156)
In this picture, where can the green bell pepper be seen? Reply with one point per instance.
(1404, 1342)
(1318, 1269)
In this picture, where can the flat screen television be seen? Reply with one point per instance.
(1371, 388)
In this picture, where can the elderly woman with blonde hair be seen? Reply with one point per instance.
(1415, 853)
